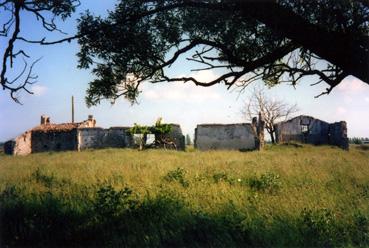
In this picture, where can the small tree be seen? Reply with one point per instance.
(159, 130)
(272, 110)
(141, 134)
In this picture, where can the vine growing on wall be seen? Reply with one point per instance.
(160, 130)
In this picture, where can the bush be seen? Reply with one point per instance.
(177, 175)
(110, 202)
(42, 178)
(268, 182)
(319, 228)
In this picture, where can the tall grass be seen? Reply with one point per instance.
(283, 196)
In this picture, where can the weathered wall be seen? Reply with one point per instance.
(177, 137)
(117, 137)
(89, 137)
(292, 131)
(318, 132)
(54, 140)
(101, 138)
(9, 147)
(19, 146)
(338, 135)
(227, 137)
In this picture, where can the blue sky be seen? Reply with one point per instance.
(185, 104)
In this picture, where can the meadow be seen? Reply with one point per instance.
(283, 196)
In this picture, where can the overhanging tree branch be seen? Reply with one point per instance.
(12, 28)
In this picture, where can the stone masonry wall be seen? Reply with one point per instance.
(54, 140)
(19, 146)
(309, 130)
(338, 135)
(227, 137)
(292, 130)
(101, 138)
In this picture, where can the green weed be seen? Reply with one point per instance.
(177, 175)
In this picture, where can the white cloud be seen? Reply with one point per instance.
(366, 99)
(38, 90)
(179, 91)
(347, 99)
(341, 111)
(351, 85)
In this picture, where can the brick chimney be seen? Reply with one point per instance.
(45, 120)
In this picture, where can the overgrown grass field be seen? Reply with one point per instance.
(283, 196)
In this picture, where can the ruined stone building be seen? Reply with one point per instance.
(77, 136)
(306, 129)
(242, 136)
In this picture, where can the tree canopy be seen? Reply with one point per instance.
(244, 41)
(275, 41)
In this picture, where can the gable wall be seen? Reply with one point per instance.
(320, 132)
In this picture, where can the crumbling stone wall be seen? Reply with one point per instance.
(89, 138)
(225, 136)
(78, 136)
(307, 129)
(19, 146)
(117, 137)
(177, 137)
(338, 135)
(101, 138)
(56, 140)
(293, 130)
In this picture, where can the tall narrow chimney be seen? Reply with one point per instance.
(72, 109)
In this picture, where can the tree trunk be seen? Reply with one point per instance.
(272, 137)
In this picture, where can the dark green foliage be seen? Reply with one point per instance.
(109, 203)
(115, 218)
(224, 177)
(138, 41)
(40, 177)
(355, 140)
(218, 177)
(321, 225)
(269, 182)
(359, 230)
(48, 180)
(177, 175)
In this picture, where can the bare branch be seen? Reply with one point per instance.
(272, 110)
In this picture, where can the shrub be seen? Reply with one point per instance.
(319, 227)
(221, 176)
(40, 177)
(268, 182)
(110, 202)
(177, 175)
(359, 230)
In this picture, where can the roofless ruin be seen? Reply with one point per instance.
(243, 136)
